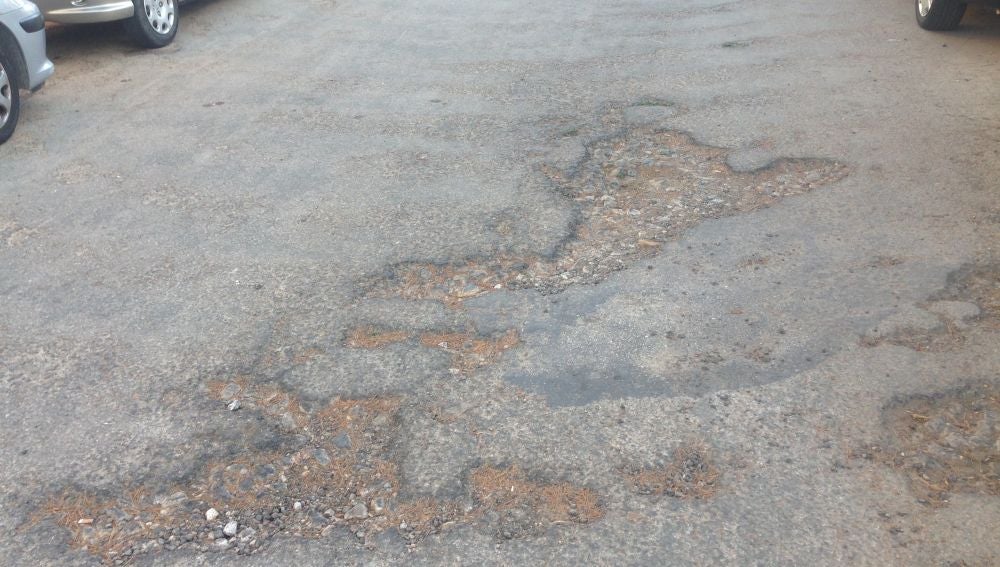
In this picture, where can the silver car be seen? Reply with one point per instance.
(23, 63)
(151, 23)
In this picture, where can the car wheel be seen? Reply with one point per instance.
(939, 15)
(10, 101)
(154, 23)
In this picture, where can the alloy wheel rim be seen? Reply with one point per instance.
(161, 15)
(925, 7)
(6, 97)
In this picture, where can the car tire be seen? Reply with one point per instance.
(10, 97)
(939, 15)
(154, 22)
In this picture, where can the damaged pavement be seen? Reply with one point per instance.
(608, 283)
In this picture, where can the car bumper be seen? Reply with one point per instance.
(85, 11)
(29, 30)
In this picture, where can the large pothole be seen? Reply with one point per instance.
(336, 468)
(633, 192)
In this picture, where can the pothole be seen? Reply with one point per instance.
(12, 234)
(633, 192)
(518, 507)
(374, 338)
(691, 473)
(469, 350)
(946, 443)
(971, 297)
(337, 467)
(945, 335)
(978, 284)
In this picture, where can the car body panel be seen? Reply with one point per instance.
(86, 11)
(38, 68)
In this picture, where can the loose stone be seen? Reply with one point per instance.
(231, 528)
(357, 512)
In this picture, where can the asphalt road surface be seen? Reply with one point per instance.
(635, 282)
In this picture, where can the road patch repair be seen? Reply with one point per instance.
(632, 192)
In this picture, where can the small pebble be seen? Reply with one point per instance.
(211, 514)
(358, 512)
(231, 528)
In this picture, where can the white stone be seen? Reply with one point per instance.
(231, 528)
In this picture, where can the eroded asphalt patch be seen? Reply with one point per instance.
(337, 464)
(970, 298)
(469, 350)
(944, 442)
(633, 191)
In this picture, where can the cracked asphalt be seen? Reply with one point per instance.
(629, 282)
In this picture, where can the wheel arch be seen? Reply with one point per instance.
(10, 46)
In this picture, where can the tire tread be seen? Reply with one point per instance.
(13, 74)
(944, 15)
(140, 31)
